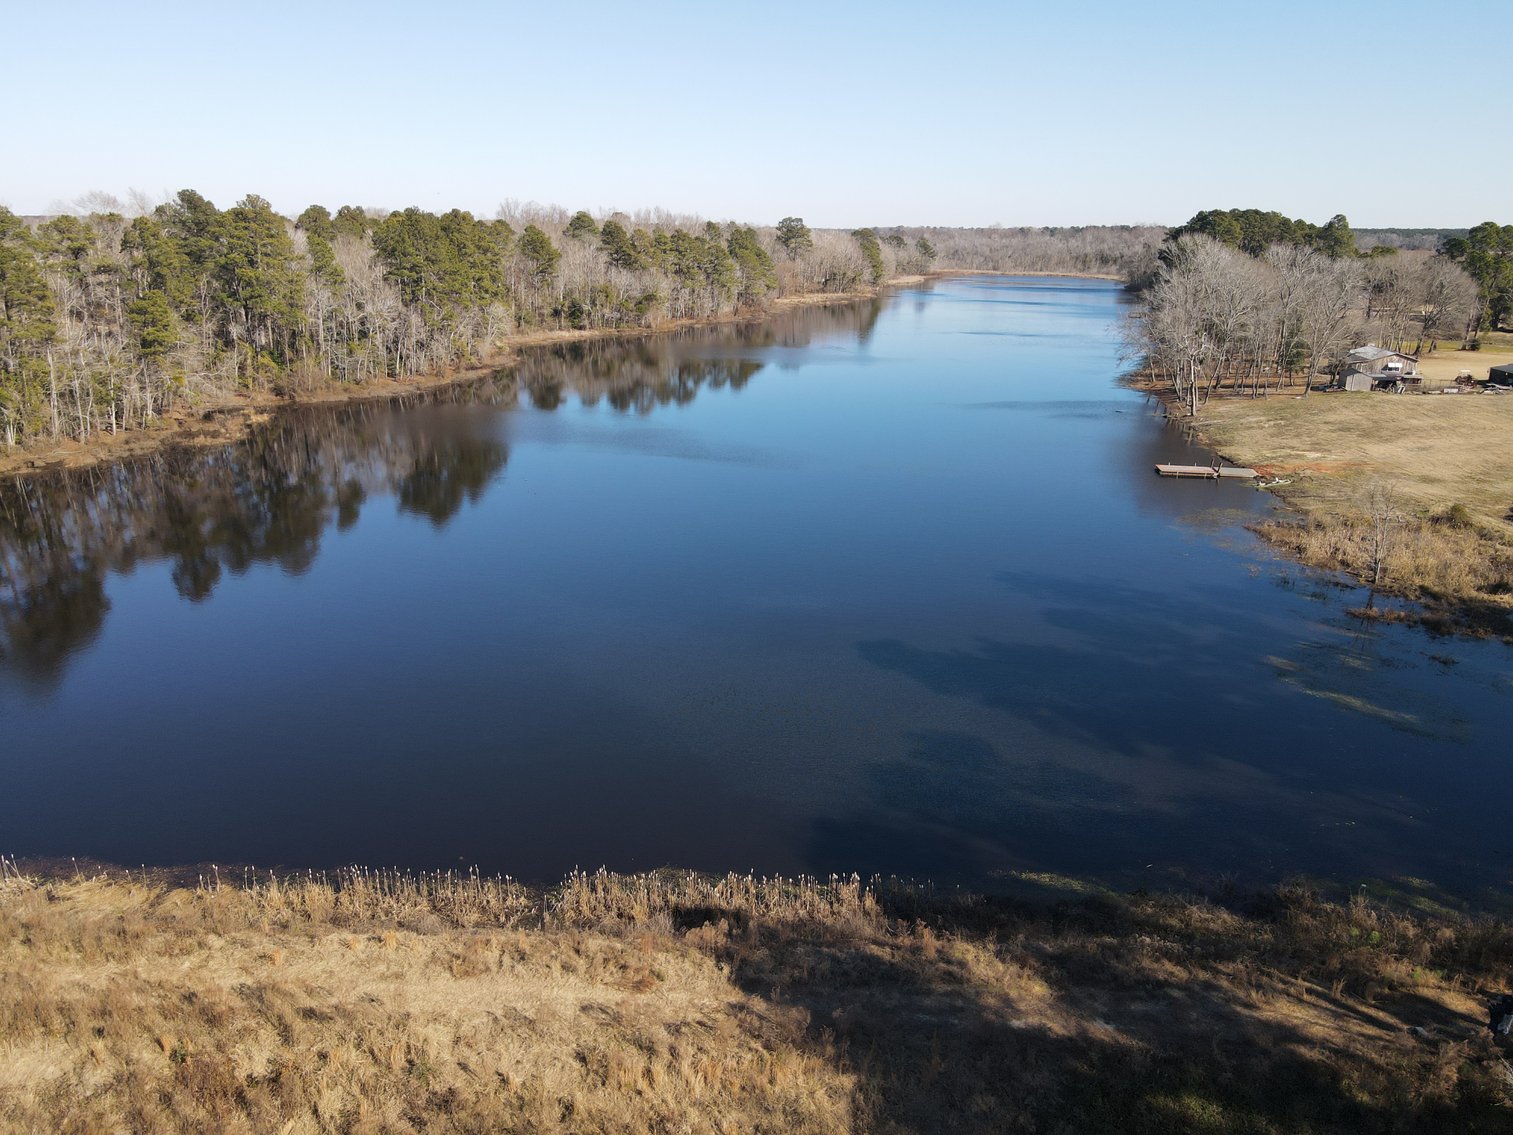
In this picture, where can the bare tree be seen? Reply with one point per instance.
(1385, 518)
(1329, 302)
(1448, 299)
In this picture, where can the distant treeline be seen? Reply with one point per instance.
(1485, 252)
(1253, 231)
(1405, 240)
(1127, 252)
(107, 319)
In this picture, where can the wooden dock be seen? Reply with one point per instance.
(1209, 472)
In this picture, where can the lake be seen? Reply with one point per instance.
(878, 587)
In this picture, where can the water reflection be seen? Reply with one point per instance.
(912, 601)
(640, 374)
(208, 512)
(270, 498)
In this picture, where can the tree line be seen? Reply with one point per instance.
(1486, 253)
(113, 317)
(1226, 307)
(107, 321)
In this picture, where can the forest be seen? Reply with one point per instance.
(1260, 301)
(113, 315)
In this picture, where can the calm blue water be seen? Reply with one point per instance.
(880, 587)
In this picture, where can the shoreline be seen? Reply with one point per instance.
(1327, 525)
(228, 421)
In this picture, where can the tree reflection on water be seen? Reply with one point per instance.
(269, 498)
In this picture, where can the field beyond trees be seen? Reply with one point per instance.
(386, 1003)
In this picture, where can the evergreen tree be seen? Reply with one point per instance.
(1336, 239)
(323, 265)
(620, 247)
(195, 225)
(753, 265)
(68, 242)
(350, 221)
(316, 221)
(152, 324)
(259, 286)
(157, 261)
(795, 237)
(872, 250)
(1486, 253)
(27, 328)
(445, 264)
(1253, 231)
(539, 253)
(581, 226)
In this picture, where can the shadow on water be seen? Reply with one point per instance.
(1122, 646)
(1134, 704)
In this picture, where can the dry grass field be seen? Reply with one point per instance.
(1421, 483)
(1434, 451)
(1442, 367)
(677, 1003)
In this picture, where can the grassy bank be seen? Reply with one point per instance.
(381, 1003)
(1413, 493)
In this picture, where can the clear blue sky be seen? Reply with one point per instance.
(879, 113)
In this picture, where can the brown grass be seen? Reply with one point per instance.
(1445, 462)
(386, 1003)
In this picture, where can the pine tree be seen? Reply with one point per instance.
(581, 227)
(620, 247)
(540, 254)
(795, 237)
(27, 328)
(152, 324)
(754, 266)
(873, 251)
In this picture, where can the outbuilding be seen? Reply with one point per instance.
(1502, 375)
(1376, 368)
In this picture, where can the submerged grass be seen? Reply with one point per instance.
(1411, 493)
(387, 1002)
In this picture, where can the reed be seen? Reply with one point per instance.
(371, 1000)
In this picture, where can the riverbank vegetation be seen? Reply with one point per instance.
(1410, 495)
(379, 1002)
(113, 318)
(1254, 303)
